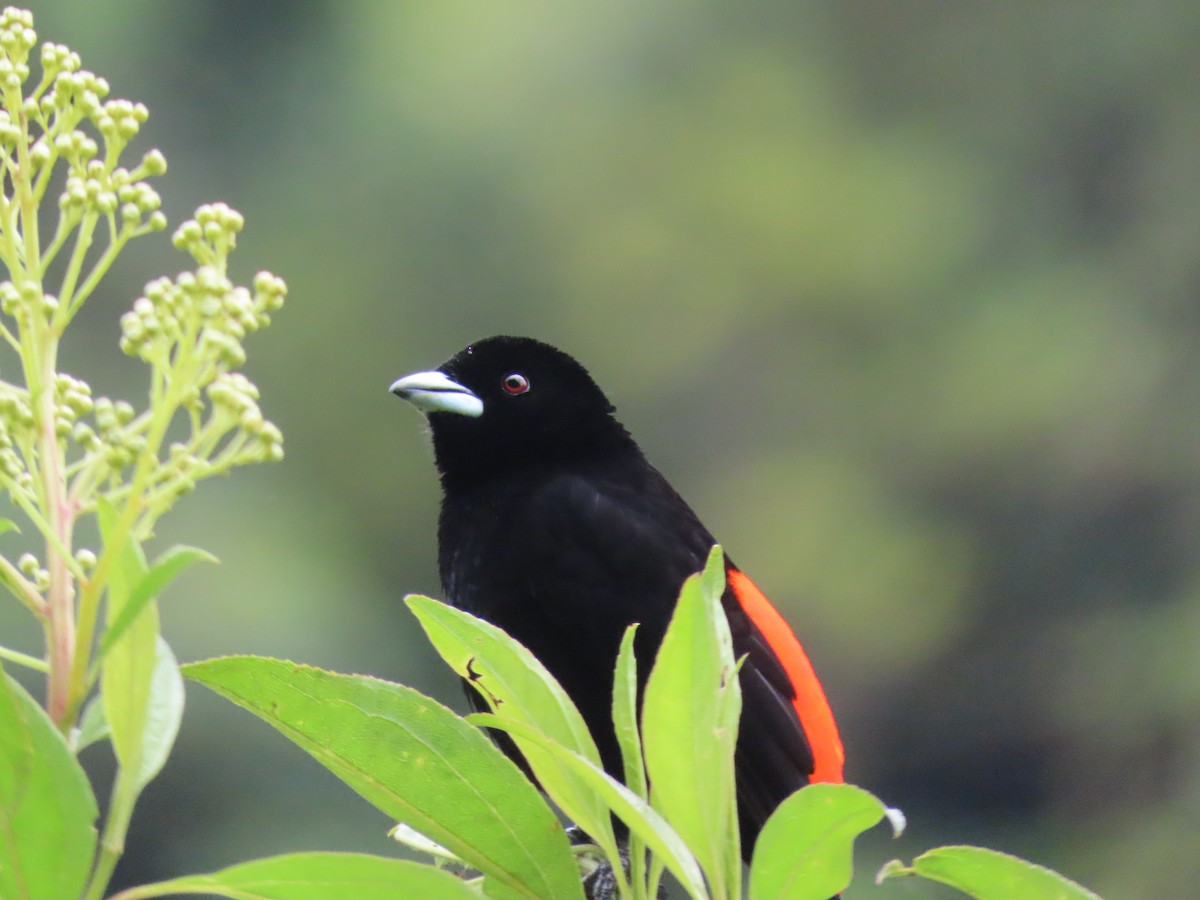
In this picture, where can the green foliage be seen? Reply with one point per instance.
(412, 759)
(511, 678)
(689, 729)
(47, 811)
(316, 876)
(471, 801)
(804, 849)
(988, 875)
(67, 455)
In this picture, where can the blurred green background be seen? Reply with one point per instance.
(901, 296)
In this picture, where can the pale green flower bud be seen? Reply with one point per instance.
(28, 564)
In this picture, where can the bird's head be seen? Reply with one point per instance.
(510, 401)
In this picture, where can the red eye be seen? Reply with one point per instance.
(516, 383)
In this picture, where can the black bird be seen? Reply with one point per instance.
(556, 528)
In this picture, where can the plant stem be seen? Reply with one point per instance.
(40, 358)
(112, 842)
(23, 590)
(61, 594)
(24, 659)
(93, 588)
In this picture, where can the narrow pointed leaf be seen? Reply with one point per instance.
(689, 726)
(628, 806)
(625, 725)
(165, 570)
(413, 759)
(125, 679)
(991, 875)
(514, 681)
(47, 811)
(625, 707)
(324, 876)
(805, 849)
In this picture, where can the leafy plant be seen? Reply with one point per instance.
(68, 207)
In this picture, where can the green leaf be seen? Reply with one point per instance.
(92, 725)
(413, 759)
(47, 811)
(625, 715)
(632, 809)
(125, 679)
(7, 525)
(165, 570)
(805, 849)
(625, 725)
(990, 875)
(512, 679)
(163, 714)
(689, 727)
(322, 876)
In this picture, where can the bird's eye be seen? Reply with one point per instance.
(516, 383)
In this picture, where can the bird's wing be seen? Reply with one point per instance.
(788, 737)
(616, 548)
(783, 662)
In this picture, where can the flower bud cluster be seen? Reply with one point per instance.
(90, 185)
(17, 38)
(75, 93)
(182, 470)
(203, 317)
(111, 437)
(16, 429)
(15, 301)
(235, 397)
(59, 58)
(72, 399)
(189, 329)
(204, 306)
(211, 235)
(94, 181)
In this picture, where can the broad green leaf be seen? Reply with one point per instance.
(163, 714)
(991, 875)
(413, 759)
(628, 806)
(165, 570)
(513, 679)
(805, 849)
(128, 670)
(689, 727)
(324, 876)
(47, 811)
(7, 525)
